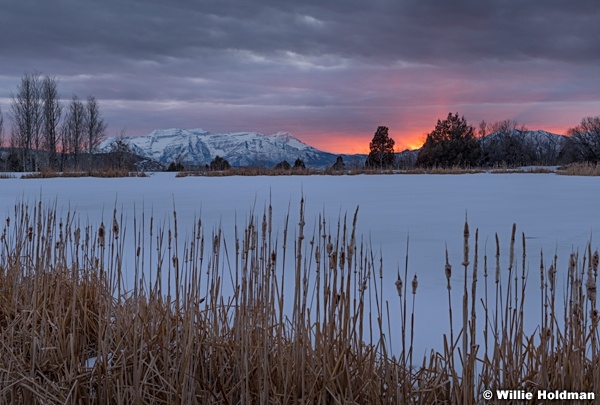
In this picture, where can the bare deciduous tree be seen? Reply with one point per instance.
(26, 115)
(506, 145)
(483, 129)
(95, 127)
(1, 128)
(74, 129)
(51, 118)
(584, 140)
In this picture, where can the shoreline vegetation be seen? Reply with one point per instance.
(73, 331)
(575, 169)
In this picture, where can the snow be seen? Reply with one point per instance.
(558, 214)
(199, 147)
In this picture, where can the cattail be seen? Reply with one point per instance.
(572, 265)
(590, 286)
(595, 260)
(77, 234)
(216, 244)
(466, 245)
(448, 271)
(115, 228)
(497, 259)
(270, 217)
(512, 246)
(399, 285)
(333, 261)
(30, 233)
(101, 234)
(274, 257)
(7, 221)
(542, 269)
(175, 261)
(595, 317)
(415, 284)
(448, 267)
(551, 274)
(546, 333)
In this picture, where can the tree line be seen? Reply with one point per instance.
(453, 142)
(46, 134)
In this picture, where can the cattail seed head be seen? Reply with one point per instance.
(333, 261)
(572, 265)
(551, 274)
(595, 260)
(590, 287)
(512, 246)
(399, 286)
(546, 333)
(101, 234)
(466, 245)
(595, 315)
(448, 271)
(415, 284)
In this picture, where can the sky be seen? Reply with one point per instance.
(328, 72)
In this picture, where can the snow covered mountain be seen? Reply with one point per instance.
(541, 139)
(196, 147)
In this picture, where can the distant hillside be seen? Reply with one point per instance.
(522, 147)
(196, 147)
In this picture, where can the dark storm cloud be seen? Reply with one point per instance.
(417, 31)
(272, 63)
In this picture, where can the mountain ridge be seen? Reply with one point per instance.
(197, 147)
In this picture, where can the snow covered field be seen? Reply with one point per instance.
(559, 214)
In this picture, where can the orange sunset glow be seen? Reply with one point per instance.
(320, 72)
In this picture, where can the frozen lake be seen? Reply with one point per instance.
(559, 214)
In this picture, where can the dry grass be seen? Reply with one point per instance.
(260, 171)
(357, 171)
(580, 169)
(443, 170)
(70, 332)
(104, 173)
(4, 175)
(521, 170)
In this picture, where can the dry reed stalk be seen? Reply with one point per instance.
(72, 332)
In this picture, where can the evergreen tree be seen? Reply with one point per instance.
(451, 143)
(339, 164)
(219, 163)
(299, 164)
(381, 153)
(175, 167)
(283, 165)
